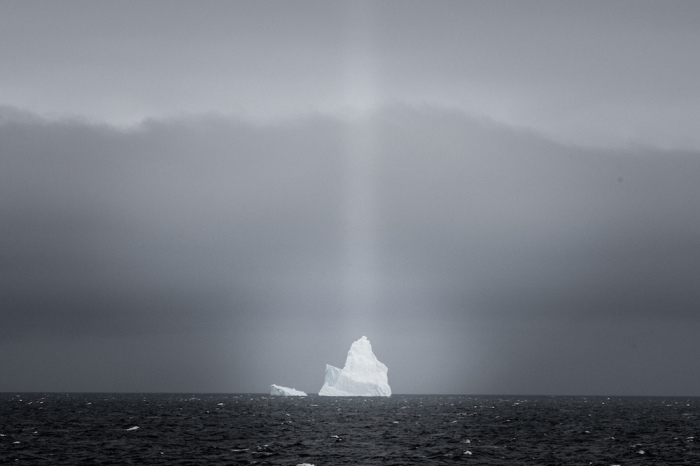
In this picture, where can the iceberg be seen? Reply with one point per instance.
(278, 390)
(363, 374)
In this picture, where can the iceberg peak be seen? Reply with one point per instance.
(362, 375)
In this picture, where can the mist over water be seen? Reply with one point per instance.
(216, 196)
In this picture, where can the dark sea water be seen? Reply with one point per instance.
(183, 429)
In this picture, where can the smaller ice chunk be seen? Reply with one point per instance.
(278, 390)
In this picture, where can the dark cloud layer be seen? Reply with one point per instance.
(212, 254)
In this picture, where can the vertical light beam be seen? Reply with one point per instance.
(360, 278)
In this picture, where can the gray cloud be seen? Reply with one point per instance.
(595, 74)
(215, 254)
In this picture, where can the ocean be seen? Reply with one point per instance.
(233, 429)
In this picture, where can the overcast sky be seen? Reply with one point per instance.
(217, 196)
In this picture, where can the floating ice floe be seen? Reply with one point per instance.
(278, 390)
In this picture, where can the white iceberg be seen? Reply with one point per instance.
(278, 390)
(363, 374)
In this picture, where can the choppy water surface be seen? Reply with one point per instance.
(401, 430)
